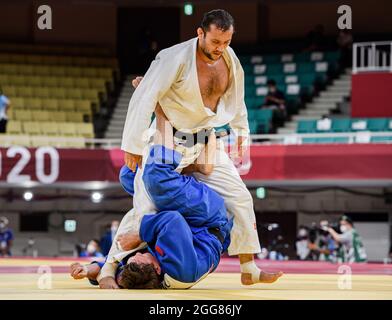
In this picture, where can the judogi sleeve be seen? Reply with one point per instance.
(170, 238)
(240, 123)
(199, 204)
(101, 264)
(127, 178)
(156, 82)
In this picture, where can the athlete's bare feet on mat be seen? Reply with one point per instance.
(265, 277)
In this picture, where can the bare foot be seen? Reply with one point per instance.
(265, 277)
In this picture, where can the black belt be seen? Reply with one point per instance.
(216, 232)
(190, 139)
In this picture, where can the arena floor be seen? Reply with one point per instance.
(21, 279)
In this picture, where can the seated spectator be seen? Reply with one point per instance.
(4, 106)
(6, 237)
(263, 254)
(92, 250)
(345, 43)
(325, 245)
(30, 249)
(275, 100)
(302, 244)
(107, 238)
(315, 39)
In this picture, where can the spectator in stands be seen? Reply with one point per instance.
(315, 39)
(325, 245)
(275, 100)
(345, 43)
(351, 249)
(29, 249)
(107, 239)
(302, 243)
(6, 237)
(147, 49)
(92, 250)
(263, 254)
(4, 106)
(313, 234)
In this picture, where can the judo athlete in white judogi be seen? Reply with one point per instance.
(200, 85)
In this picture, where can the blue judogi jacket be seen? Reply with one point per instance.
(178, 235)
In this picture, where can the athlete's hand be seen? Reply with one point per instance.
(108, 283)
(239, 147)
(136, 82)
(131, 160)
(78, 271)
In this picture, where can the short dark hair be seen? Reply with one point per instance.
(347, 219)
(219, 17)
(271, 82)
(140, 276)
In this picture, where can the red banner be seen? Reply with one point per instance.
(317, 162)
(49, 165)
(371, 95)
(295, 162)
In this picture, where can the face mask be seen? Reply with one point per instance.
(302, 233)
(343, 228)
(2, 226)
(91, 248)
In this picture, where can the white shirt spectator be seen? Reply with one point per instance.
(4, 101)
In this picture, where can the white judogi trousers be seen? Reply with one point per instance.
(224, 179)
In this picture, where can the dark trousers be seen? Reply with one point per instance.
(3, 125)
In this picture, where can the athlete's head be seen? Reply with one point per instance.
(215, 33)
(142, 271)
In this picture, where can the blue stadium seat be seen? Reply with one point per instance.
(307, 126)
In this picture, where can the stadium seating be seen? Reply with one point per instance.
(295, 74)
(346, 125)
(261, 120)
(54, 95)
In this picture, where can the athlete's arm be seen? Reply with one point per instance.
(240, 123)
(156, 82)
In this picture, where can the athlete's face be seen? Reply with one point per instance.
(145, 258)
(213, 42)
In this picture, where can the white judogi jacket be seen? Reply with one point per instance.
(172, 81)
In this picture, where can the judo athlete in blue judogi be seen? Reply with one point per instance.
(185, 239)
